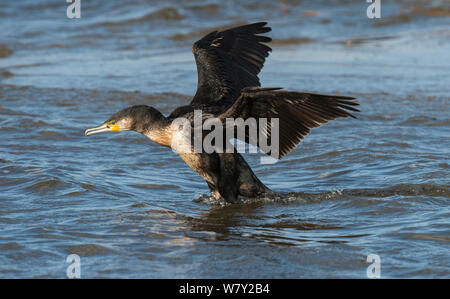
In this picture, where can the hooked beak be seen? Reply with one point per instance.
(102, 128)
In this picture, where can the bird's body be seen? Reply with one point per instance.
(228, 63)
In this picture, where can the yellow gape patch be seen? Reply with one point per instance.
(113, 127)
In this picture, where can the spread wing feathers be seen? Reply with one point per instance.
(229, 61)
(297, 113)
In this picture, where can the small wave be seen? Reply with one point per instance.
(31, 123)
(291, 41)
(5, 51)
(427, 237)
(417, 120)
(200, 33)
(403, 190)
(431, 190)
(364, 40)
(58, 46)
(156, 186)
(46, 185)
(88, 249)
(437, 12)
(299, 225)
(50, 135)
(275, 198)
(5, 111)
(334, 173)
(210, 8)
(393, 20)
(11, 246)
(441, 123)
(5, 73)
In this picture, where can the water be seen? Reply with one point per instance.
(130, 208)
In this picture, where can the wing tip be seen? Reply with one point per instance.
(255, 28)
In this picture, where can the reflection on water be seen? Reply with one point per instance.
(129, 208)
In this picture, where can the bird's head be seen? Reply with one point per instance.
(139, 118)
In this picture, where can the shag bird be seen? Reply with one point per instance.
(228, 63)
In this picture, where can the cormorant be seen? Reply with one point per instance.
(228, 63)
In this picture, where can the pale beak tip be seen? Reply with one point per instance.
(88, 132)
(96, 130)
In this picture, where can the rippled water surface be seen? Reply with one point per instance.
(378, 184)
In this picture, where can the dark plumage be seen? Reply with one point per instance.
(297, 112)
(228, 63)
(142, 117)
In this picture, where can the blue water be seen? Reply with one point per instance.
(378, 184)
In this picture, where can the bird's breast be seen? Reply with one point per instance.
(162, 137)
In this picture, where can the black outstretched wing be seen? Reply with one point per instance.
(229, 61)
(297, 113)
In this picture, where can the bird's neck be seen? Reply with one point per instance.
(159, 132)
